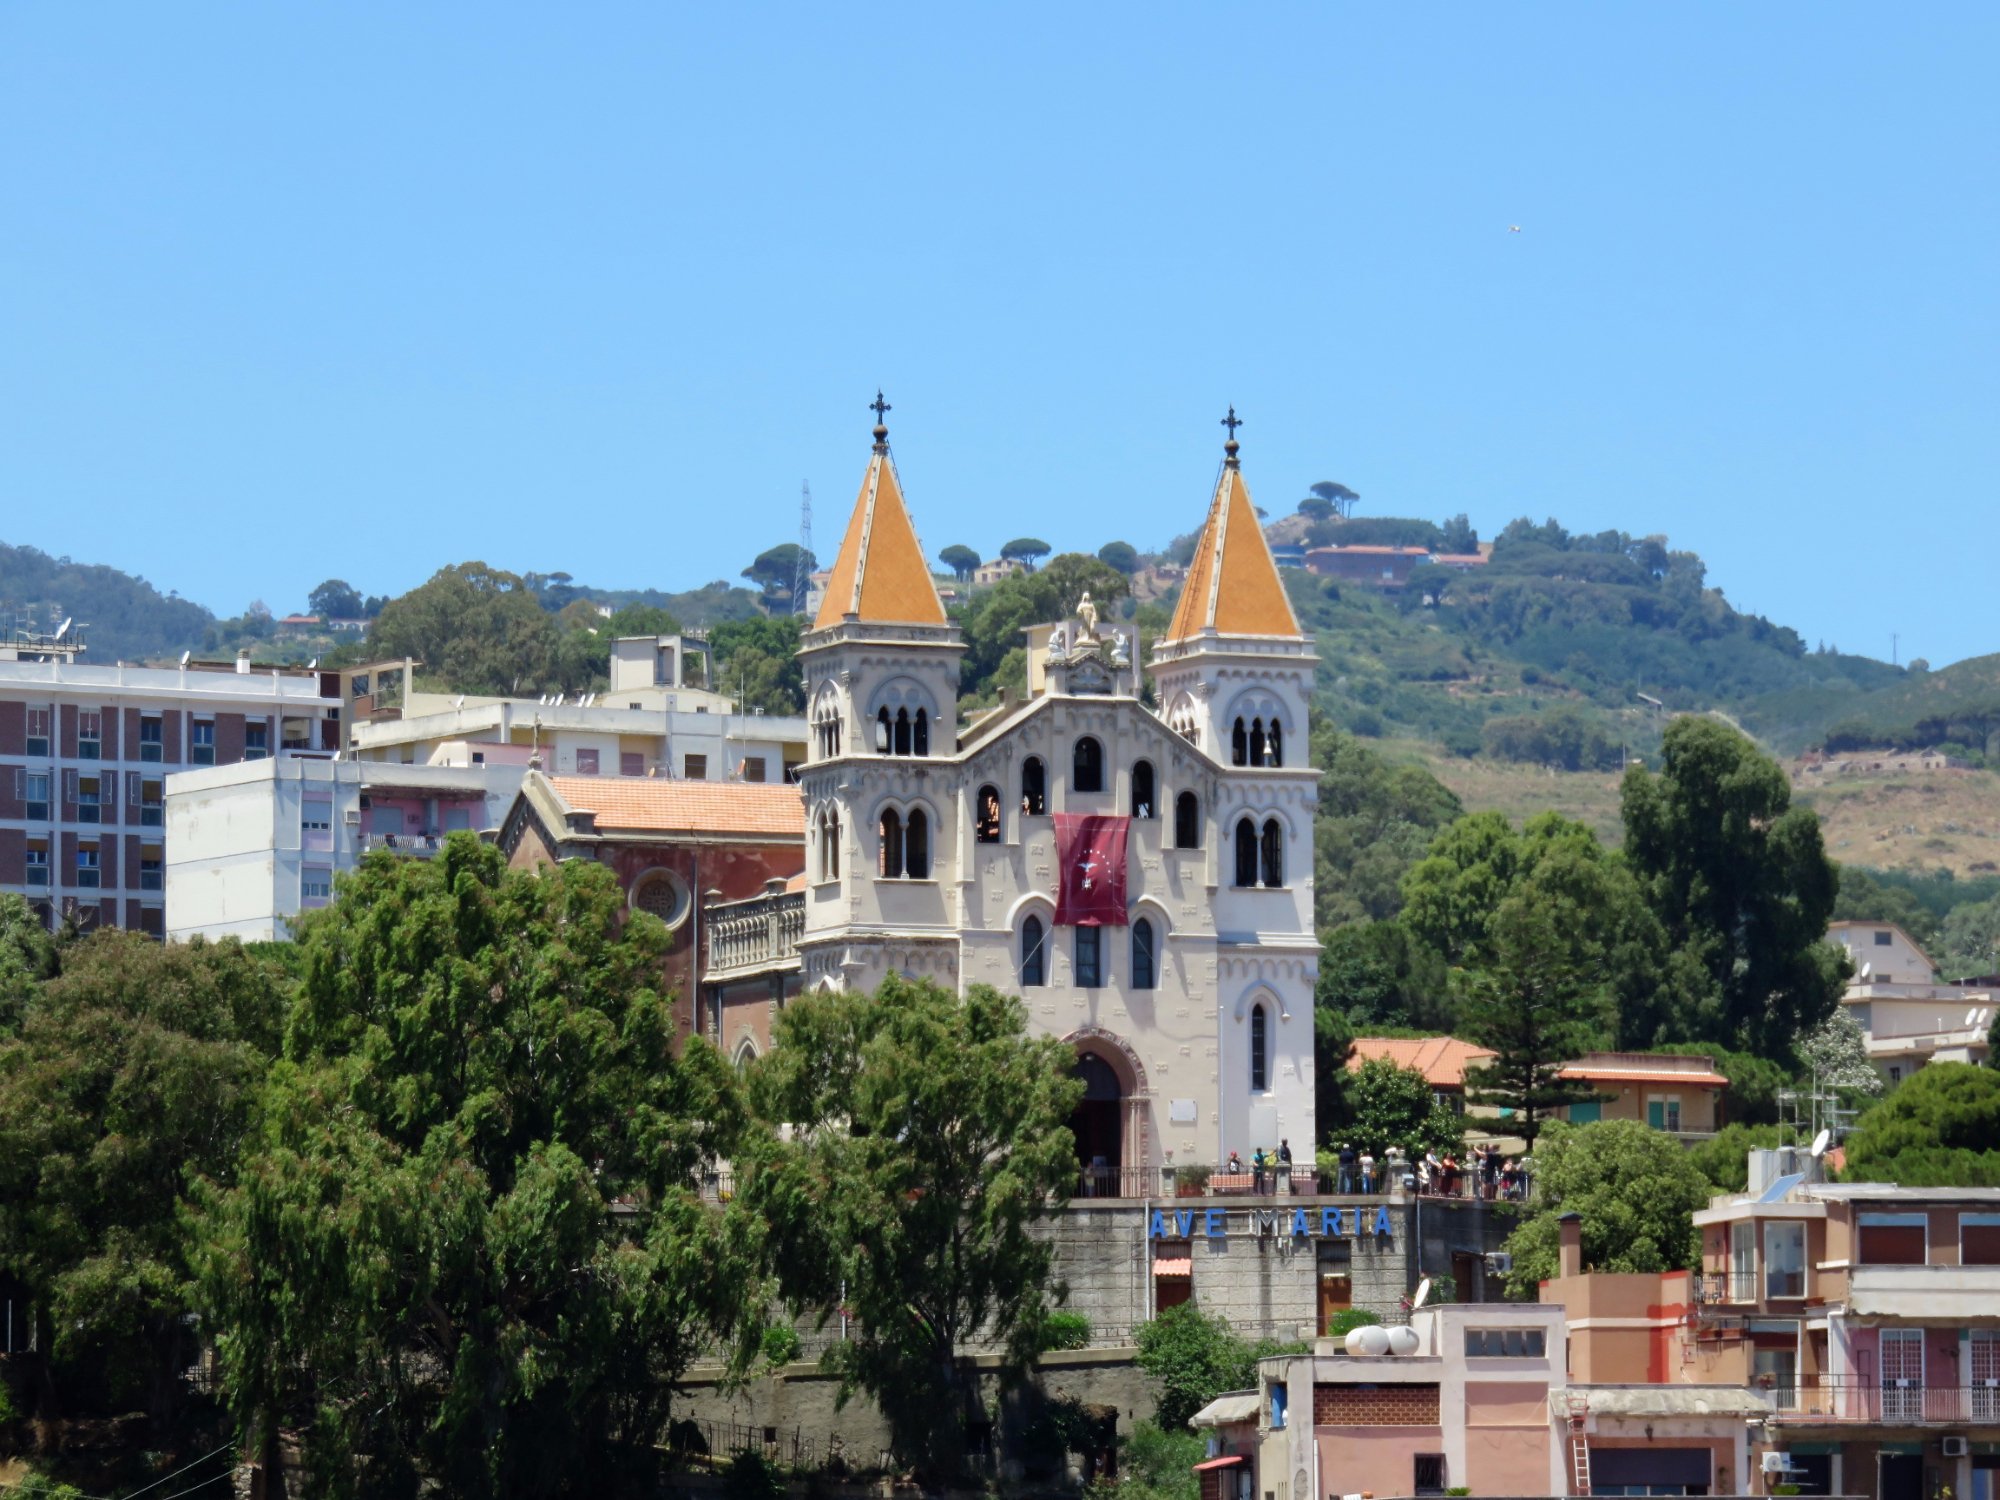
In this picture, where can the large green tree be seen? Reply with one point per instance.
(962, 561)
(475, 629)
(1937, 1129)
(928, 1136)
(1374, 820)
(1192, 1357)
(993, 622)
(132, 1073)
(1741, 881)
(27, 957)
(1634, 1189)
(467, 1247)
(1387, 1105)
(757, 663)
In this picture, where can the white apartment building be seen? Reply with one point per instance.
(251, 846)
(1909, 1018)
(85, 753)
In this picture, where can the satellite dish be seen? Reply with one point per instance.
(1972, 1016)
(63, 629)
(1866, 970)
(1423, 1294)
(459, 701)
(184, 657)
(1820, 1143)
(313, 663)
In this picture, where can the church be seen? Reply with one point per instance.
(1142, 878)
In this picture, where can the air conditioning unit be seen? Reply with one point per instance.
(1499, 1262)
(353, 815)
(1777, 1463)
(1955, 1447)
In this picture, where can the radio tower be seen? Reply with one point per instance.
(802, 576)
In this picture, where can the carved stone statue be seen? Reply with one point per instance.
(1086, 612)
(1121, 649)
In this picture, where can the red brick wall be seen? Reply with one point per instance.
(13, 783)
(108, 720)
(1376, 1406)
(228, 739)
(107, 863)
(13, 856)
(170, 736)
(13, 729)
(64, 876)
(66, 731)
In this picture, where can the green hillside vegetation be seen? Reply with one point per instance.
(129, 619)
(1955, 709)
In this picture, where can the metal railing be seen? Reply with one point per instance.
(1713, 1287)
(1850, 1398)
(420, 845)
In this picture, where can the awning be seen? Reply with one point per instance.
(1219, 1463)
(1174, 1265)
(1236, 1406)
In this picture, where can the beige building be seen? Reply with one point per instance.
(1907, 1015)
(1678, 1094)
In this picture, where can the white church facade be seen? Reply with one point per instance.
(1142, 879)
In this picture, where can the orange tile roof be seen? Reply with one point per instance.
(1594, 1073)
(645, 804)
(1441, 1059)
(880, 574)
(1232, 585)
(1370, 549)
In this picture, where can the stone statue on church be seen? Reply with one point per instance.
(1121, 649)
(1087, 613)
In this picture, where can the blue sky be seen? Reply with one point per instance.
(289, 291)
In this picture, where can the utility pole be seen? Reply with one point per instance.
(1895, 644)
(802, 574)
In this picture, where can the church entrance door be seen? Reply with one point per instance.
(1099, 1128)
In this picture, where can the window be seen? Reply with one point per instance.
(1260, 1044)
(1187, 821)
(1274, 853)
(152, 867)
(38, 864)
(1884, 939)
(152, 811)
(1784, 1259)
(1089, 957)
(586, 762)
(88, 804)
(1143, 963)
(694, 767)
(38, 795)
(1979, 1241)
(662, 894)
(89, 736)
(889, 834)
(88, 875)
(1239, 744)
(1429, 1474)
(38, 731)
(828, 726)
(201, 742)
(1087, 766)
(1742, 1261)
(256, 741)
(316, 822)
(829, 845)
(753, 768)
(920, 734)
(1279, 1401)
(1259, 749)
(1664, 1113)
(1144, 804)
(986, 815)
(631, 763)
(1034, 956)
(1034, 787)
(1246, 853)
(150, 741)
(1274, 745)
(917, 845)
(1894, 1240)
(1506, 1343)
(315, 885)
(1895, 1072)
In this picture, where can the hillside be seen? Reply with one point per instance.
(129, 619)
(1921, 821)
(1958, 706)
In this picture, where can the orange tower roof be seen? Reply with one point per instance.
(880, 574)
(1232, 585)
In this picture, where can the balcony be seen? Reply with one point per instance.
(1923, 1294)
(1814, 1399)
(1716, 1288)
(415, 845)
(758, 935)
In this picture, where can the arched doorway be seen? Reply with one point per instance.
(1099, 1127)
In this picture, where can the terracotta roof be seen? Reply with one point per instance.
(1441, 1059)
(1369, 549)
(1232, 585)
(880, 573)
(1592, 1073)
(645, 804)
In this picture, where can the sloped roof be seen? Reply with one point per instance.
(1232, 585)
(645, 804)
(1441, 1059)
(880, 574)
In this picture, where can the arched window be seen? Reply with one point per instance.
(1187, 821)
(986, 815)
(1239, 744)
(1143, 805)
(917, 845)
(1088, 766)
(1274, 852)
(902, 731)
(920, 740)
(829, 845)
(1034, 954)
(1274, 745)
(890, 866)
(1260, 1044)
(1089, 957)
(1246, 852)
(827, 722)
(882, 731)
(1256, 742)
(1034, 787)
(1143, 965)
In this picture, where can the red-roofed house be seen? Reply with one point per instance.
(1676, 1093)
(1441, 1059)
(680, 849)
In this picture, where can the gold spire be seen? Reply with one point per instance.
(1232, 584)
(880, 574)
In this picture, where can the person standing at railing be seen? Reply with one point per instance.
(1346, 1181)
(1259, 1165)
(1367, 1162)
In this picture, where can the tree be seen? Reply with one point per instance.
(468, 1241)
(1634, 1188)
(1388, 1105)
(1834, 1055)
(1864, 897)
(757, 663)
(1315, 508)
(1026, 550)
(27, 957)
(1193, 1358)
(1535, 1006)
(335, 599)
(133, 1072)
(1458, 535)
(1937, 1129)
(1375, 974)
(1335, 494)
(777, 568)
(1120, 555)
(993, 622)
(928, 1137)
(475, 629)
(962, 561)
(1970, 939)
(1740, 880)
(1373, 822)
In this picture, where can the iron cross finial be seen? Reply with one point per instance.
(879, 406)
(1232, 422)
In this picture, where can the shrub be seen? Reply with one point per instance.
(752, 1476)
(1341, 1324)
(1065, 1330)
(781, 1344)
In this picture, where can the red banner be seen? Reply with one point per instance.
(1090, 890)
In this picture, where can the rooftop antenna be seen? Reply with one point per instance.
(802, 574)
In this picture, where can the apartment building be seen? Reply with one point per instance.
(85, 753)
(250, 846)
(1907, 1015)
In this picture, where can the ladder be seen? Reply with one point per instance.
(1576, 1405)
